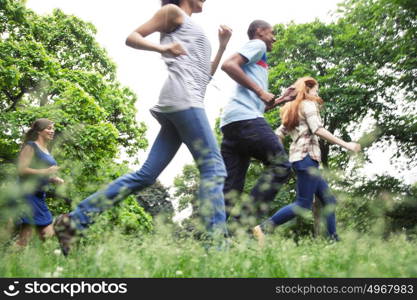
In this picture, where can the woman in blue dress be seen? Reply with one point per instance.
(37, 168)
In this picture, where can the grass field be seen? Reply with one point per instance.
(160, 255)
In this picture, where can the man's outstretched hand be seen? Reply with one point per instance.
(289, 95)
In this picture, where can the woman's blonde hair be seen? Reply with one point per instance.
(290, 111)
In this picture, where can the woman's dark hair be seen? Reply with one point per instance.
(165, 2)
(37, 126)
(255, 25)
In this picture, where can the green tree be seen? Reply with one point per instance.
(52, 67)
(389, 29)
(349, 85)
(186, 187)
(156, 200)
(365, 63)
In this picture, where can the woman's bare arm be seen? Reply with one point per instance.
(224, 36)
(25, 157)
(325, 134)
(167, 19)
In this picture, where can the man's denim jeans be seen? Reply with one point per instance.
(243, 140)
(191, 127)
(309, 183)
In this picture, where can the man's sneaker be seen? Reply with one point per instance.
(259, 235)
(65, 232)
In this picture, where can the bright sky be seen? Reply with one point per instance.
(144, 72)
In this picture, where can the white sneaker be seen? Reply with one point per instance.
(259, 235)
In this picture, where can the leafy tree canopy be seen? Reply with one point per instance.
(52, 67)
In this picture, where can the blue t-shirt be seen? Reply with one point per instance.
(245, 104)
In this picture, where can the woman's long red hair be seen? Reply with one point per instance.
(290, 114)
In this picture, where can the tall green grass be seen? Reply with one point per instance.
(160, 254)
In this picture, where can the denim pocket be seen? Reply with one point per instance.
(313, 161)
(305, 163)
(254, 129)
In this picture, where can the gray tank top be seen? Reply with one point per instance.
(188, 75)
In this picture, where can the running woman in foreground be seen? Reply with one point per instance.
(180, 111)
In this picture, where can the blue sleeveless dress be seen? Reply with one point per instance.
(40, 214)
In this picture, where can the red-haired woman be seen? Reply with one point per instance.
(301, 120)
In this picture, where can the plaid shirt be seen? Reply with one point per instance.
(303, 137)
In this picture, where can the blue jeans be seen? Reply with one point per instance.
(309, 183)
(191, 127)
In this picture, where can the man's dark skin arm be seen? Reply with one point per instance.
(233, 67)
